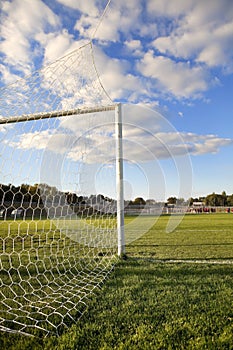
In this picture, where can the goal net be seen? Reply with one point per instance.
(58, 222)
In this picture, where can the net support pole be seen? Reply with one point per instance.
(119, 180)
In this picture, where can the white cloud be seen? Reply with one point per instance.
(6, 75)
(108, 30)
(135, 47)
(37, 140)
(202, 144)
(147, 136)
(20, 22)
(114, 75)
(55, 44)
(4, 128)
(197, 33)
(120, 17)
(133, 44)
(184, 45)
(169, 8)
(88, 7)
(202, 31)
(217, 51)
(177, 78)
(139, 145)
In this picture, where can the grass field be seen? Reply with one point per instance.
(205, 236)
(174, 291)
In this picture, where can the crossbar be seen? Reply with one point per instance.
(119, 152)
(56, 114)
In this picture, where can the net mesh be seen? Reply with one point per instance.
(57, 210)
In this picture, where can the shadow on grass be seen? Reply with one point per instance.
(150, 305)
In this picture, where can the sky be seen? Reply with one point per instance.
(169, 62)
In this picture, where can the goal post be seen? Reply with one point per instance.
(61, 193)
(57, 247)
(119, 153)
(119, 180)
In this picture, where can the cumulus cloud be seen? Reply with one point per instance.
(88, 7)
(55, 44)
(139, 145)
(202, 31)
(6, 74)
(189, 38)
(20, 22)
(121, 17)
(147, 136)
(37, 140)
(118, 82)
(177, 78)
(169, 8)
(133, 45)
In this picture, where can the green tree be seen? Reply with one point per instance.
(230, 200)
(214, 200)
(171, 200)
(139, 201)
(224, 198)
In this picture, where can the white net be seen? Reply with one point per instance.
(58, 238)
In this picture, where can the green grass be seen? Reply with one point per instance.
(151, 303)
(46, 276)
(197, 237)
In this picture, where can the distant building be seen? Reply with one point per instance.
(198, 204)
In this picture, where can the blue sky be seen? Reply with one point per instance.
(175, 57)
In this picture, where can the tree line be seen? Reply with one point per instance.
(33, 194)
(20, 194)
(211, 200)
(37, 193)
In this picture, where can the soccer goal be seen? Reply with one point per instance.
(61, 194)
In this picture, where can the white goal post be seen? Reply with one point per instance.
(61, 194)
(55, 247)
(119, 153)
(119, 180)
